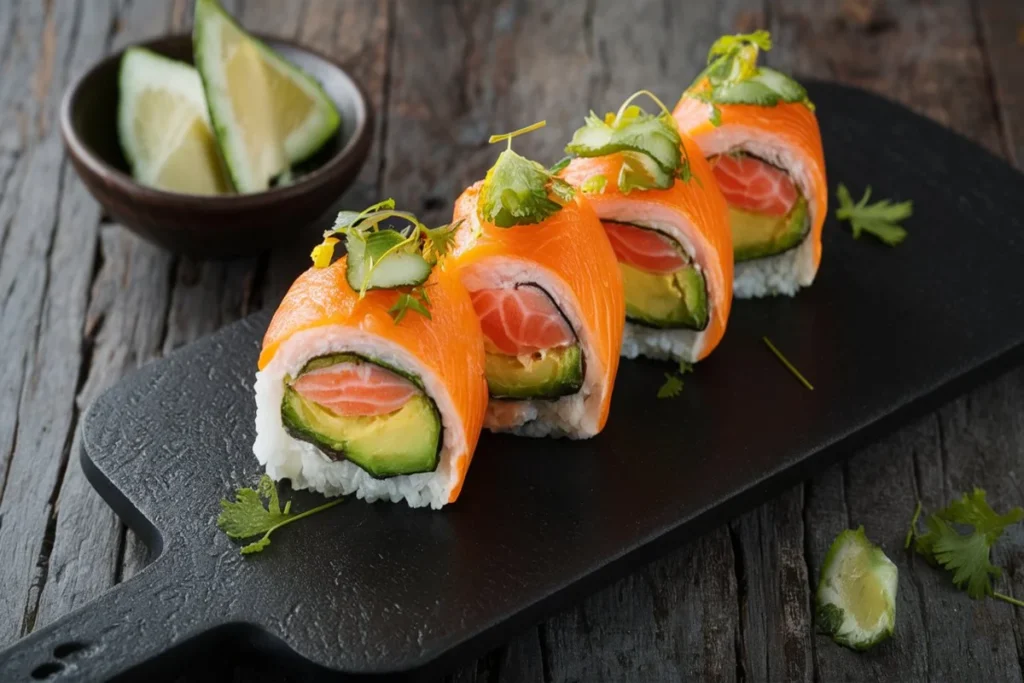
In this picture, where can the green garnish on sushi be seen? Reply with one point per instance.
(387, 259)
(652, 151)
(734, 77)
(518, 191)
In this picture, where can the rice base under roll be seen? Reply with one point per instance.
(437, 362)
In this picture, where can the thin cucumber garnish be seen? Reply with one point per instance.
(380, 258)
(653, 155)
(856, 601)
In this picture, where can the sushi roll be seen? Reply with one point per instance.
(371, 377)
(758, 130)
(547, 289)
(668, 225)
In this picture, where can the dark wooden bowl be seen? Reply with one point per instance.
(218, 226)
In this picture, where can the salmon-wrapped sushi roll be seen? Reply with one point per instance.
(759, 132)
(668, 225)
(371, 378)
(546, 286)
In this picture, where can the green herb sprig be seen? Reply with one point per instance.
(673, 385)
(785, 361)
(651, 146)
(519, 191)
(966, 554)
(248, 516)
(734, 77)
(412, 250)
(881, 219)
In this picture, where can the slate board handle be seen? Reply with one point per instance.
(128, 625)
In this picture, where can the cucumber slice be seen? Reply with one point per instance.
(163, 126)
(268, 114)
(397, 269)
(745, 92)
(788, 89)
(641, 172)
(856, 601)
(649, 135)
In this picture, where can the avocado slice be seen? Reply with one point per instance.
(672, 300)
(756, 236)
(406, 441)
(548, 374)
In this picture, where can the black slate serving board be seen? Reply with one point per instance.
(885, 334)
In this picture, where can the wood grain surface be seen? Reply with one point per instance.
(84, 302)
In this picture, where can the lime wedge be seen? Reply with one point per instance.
(267, 113)
(163, 126)
(856, 602)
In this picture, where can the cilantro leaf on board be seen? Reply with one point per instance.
(258, 511)
(880, 219)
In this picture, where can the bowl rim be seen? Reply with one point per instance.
(124, 183)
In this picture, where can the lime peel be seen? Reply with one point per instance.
(856, 600)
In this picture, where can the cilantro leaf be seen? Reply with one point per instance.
(966, 554)
(515, 192)
(440, 239)
(879, 219)
(734, 77)
(672, 387)
(246, 516)
(417, 300)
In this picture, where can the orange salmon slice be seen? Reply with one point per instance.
(521, 320)
(643, 249)
(754, 185)
(352, 389)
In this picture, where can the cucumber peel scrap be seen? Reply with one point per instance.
(856, 599)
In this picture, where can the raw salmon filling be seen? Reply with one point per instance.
(531, 350)
(353, 409)
(663, 287)
(767, 213)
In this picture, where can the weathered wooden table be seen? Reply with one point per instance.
(84, 302)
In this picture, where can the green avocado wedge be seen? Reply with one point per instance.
(673, 300)
(756, 236)
(551, 374)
